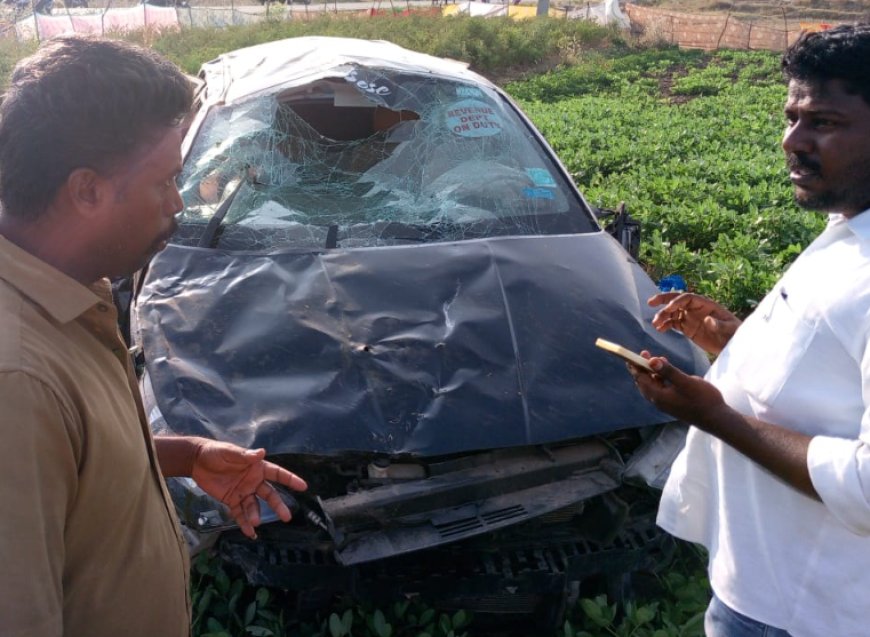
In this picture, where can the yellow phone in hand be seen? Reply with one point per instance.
(624, 354)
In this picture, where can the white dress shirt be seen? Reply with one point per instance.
(801, 360)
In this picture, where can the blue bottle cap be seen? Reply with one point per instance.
(672, 283)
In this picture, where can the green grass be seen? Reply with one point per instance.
(487, 45)
(10, 52)
(490, 46)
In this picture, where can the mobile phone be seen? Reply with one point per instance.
(625, 354)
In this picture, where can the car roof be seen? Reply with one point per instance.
(244, 73)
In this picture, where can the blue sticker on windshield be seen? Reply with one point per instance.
(541, 177)
(468, 91)
(538, 193)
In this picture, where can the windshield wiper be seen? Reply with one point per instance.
(210, 235)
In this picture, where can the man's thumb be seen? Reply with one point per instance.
(255, 454)
(711, 325)
(662, 367)
(668, 372)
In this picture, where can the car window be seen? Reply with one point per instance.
(370, 158)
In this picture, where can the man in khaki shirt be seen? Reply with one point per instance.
(89, 544)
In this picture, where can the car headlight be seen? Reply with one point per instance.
(198, 512)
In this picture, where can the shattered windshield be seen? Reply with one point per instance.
(370, 157)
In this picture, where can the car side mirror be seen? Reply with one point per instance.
(622, 227)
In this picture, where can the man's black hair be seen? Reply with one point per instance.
(81, 102)
(841, 53)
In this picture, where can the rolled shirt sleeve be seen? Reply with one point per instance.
(39, 456)
(840, 471)
(840, 467)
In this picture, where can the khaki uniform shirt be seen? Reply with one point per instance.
(89, 542)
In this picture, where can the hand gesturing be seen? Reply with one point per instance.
(706, 323)
(237, 477)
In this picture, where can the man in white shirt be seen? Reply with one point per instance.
(775, 476)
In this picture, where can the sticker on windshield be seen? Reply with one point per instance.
(473, 118)
(538, 193)
(468, 91)
(369, 82)
(541, 177)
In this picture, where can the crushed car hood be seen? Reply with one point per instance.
(423, 350)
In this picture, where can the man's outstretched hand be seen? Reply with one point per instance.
(706, 323)
(238, 476)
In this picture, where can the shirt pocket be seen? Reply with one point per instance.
(773, 347)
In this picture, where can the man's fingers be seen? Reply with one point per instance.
(247, 516)
(712, 325)
(675, 313)
(274, 473)
(670, 321)
(252, 510)
(254, 455)
(662, 298)
(682, 301)
(661, 367)
(268, 493)
(670, 374)
(643, 377)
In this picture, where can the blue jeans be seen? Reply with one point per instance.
(722, 621)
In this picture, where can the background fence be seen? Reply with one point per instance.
(701, 31)
(19, 20)
(709, 32)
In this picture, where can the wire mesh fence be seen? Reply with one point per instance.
(40, 19)
(773, 31)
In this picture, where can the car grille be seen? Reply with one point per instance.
(500, 560)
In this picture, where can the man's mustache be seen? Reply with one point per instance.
(805, 164)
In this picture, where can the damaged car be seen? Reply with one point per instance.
(384, 276)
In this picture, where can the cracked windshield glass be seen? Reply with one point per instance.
(370, 158)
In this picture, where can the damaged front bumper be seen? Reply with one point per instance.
(573, 501)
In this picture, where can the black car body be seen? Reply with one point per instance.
(384, 276)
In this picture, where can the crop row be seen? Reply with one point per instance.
(690, 142)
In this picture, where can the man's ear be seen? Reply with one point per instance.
(88, 192)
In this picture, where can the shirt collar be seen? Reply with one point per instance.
(860, 225)
(62, 297)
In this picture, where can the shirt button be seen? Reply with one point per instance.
(102, 307)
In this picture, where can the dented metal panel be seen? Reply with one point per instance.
(426, 349)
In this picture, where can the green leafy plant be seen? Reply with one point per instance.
(690, 142)
(404, 617)
(678, 613)
(223, 606)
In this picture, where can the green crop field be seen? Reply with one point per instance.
(688, 140)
